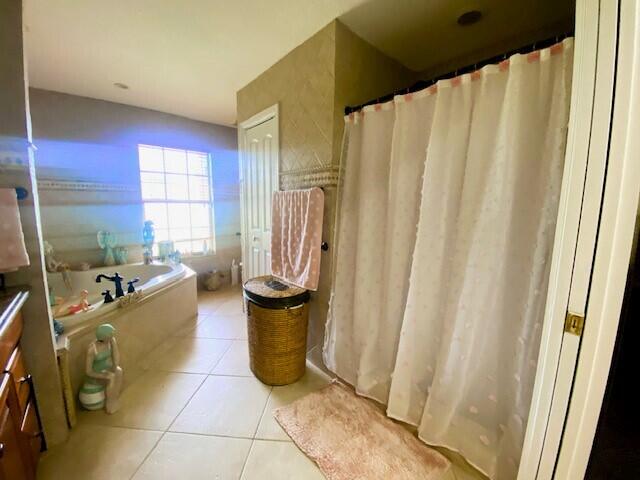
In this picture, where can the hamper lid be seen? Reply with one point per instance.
(268, 291)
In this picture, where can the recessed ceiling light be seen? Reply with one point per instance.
(121, 86)
(469, 18)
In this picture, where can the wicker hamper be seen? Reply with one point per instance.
(277, 316)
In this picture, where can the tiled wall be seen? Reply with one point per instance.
(312, 85)
(302, 83)
(87, 163)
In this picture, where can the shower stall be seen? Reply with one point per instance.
(470, 219)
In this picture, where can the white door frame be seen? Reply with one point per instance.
(613, 253)
(575, 237)
(261, 117)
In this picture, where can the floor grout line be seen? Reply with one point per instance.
(185, 432)
(230, 375)
(220, 435)
(206, 374)
(135, 472)
(186, 403)
(221, 357)
(195, 337)
(244, 465)
(255, 432)
(140, 429)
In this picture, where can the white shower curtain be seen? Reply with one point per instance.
(448, 202)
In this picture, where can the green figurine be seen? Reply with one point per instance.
(103, 379)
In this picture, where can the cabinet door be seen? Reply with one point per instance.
(12, 465)
(31, 430)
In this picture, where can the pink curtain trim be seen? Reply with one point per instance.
(503, 66)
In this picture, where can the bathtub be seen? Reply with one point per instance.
(152, 277)
(166, 305)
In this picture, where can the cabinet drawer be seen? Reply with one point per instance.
(10, 332)
(18, 371)
(31, 430)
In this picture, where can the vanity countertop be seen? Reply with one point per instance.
(11, 301)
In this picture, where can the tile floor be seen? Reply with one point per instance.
(196, 413)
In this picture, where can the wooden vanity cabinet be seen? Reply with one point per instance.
(13, 463)
(21, 438)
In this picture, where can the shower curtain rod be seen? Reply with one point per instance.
(422, 84)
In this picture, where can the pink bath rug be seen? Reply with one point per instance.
(349, 439)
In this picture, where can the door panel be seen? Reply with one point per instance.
(589, 219)
(574, 247)
(259, 180)
(613, 252)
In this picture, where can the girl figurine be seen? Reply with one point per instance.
(102, 384)
(83, 306)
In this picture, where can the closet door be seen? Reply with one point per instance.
(259, 149)
(575, 239)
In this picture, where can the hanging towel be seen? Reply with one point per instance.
(13, 253)
(296, 236)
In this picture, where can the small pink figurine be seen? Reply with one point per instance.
(83, 306)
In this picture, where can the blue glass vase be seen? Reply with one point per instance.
(148, 234)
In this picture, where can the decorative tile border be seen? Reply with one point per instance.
(221, 192)
(312, 177)
(79, 186)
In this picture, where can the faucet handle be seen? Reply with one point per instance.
(131, 288)
(107, 296)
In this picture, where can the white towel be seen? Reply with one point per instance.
(296, 236)
(13, 253)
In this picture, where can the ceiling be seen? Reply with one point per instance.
(186, 57)
(423, 33)
(190, 57)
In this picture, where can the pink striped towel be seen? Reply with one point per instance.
(296, 236)
(13, 253)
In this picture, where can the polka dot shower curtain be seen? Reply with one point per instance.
(447, 208)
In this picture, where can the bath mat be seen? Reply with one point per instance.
(349, 438)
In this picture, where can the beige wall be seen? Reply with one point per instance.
(16, 169)
(312, 85)
(13, 117)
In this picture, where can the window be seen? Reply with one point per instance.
(177, 197)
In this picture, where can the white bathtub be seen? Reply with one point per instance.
(168, 304)
(152, 277)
